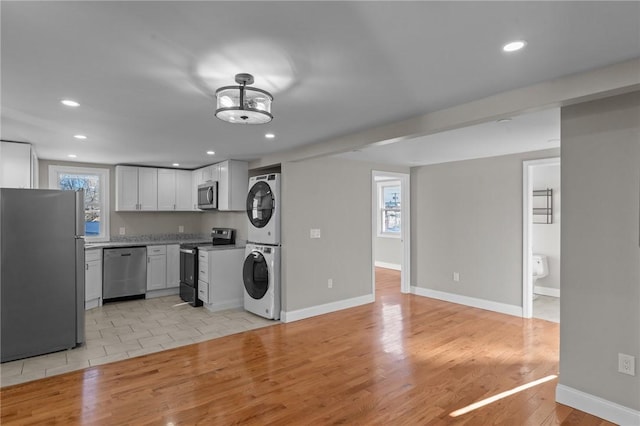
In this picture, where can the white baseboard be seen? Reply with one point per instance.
(387, 265)
(599, 407)
(488, 305)
(221, 306)
(326, 308)
(93, 303)
(161, 293)
(546, 291)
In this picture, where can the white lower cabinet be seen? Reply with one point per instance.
(93, 278)
(163, 270)
(220, 283)
(173, 266)
(156, 267)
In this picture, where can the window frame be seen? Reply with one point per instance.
(381, 209)
(103, 176)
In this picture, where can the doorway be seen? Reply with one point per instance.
(541, 239)
(391, 221)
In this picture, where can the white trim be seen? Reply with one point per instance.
(599, 407)
(221, 306)
(326, 308)
(488, 305)
(546, 291)
(388, 265)
(105, 194)
(381, 184)
(93, 303)
(405, 193)
(527, 228)
(162, 292)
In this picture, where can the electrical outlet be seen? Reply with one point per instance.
(330, 283)
(456, 277)
(122, 230)
(314, 233)
(627, 364)
(180, 229)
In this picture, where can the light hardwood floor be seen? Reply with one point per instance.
(403, 360)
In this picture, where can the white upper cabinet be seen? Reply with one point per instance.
(16, 168)
(183, 190)
(174, 189)
(166, 189)
(136, 188)
(148, 188)
(232, 185)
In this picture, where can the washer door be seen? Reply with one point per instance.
(260, 204)
(255, 275)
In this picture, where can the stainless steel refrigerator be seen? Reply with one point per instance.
(41, 271)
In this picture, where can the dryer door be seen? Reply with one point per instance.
(260, 204)
(255, 274)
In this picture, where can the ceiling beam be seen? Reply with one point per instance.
(612, 80)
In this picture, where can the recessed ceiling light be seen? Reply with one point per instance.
(72, 156)
(503, 120)
(514, 46)
(269, 136)
(79, 136)
(69, 103)
(176, 164)
(210, 152)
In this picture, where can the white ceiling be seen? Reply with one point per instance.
(144, 72)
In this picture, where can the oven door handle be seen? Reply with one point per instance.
(188, 251)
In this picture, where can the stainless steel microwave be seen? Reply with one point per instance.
(208, 195)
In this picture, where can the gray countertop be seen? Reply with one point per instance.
(154, 242)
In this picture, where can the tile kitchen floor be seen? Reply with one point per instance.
(123, 330)
(546, 308)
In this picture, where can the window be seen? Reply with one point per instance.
(389, 197)
(95, 183)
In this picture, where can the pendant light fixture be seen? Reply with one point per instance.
(243, 104)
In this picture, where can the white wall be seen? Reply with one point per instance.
(600, 303)
(546, 237)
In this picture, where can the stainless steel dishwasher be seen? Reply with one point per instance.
(125, 273)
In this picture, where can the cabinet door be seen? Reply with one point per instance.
(156, 272)
(203, 291)
(15, 165)
(232, 189)
(166, 189)
(93, 280)
(126, 188)
(196, 177)
(173, 265)
(223, 185)
(183, 190)
(148, 188)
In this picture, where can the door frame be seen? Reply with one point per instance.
(527, 229)
(405, 217)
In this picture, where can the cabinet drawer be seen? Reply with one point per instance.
(203, 272)
(90, 255)
(203, 291)
(153, 250)
(203, 256)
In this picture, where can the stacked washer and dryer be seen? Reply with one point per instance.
(261, 268)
